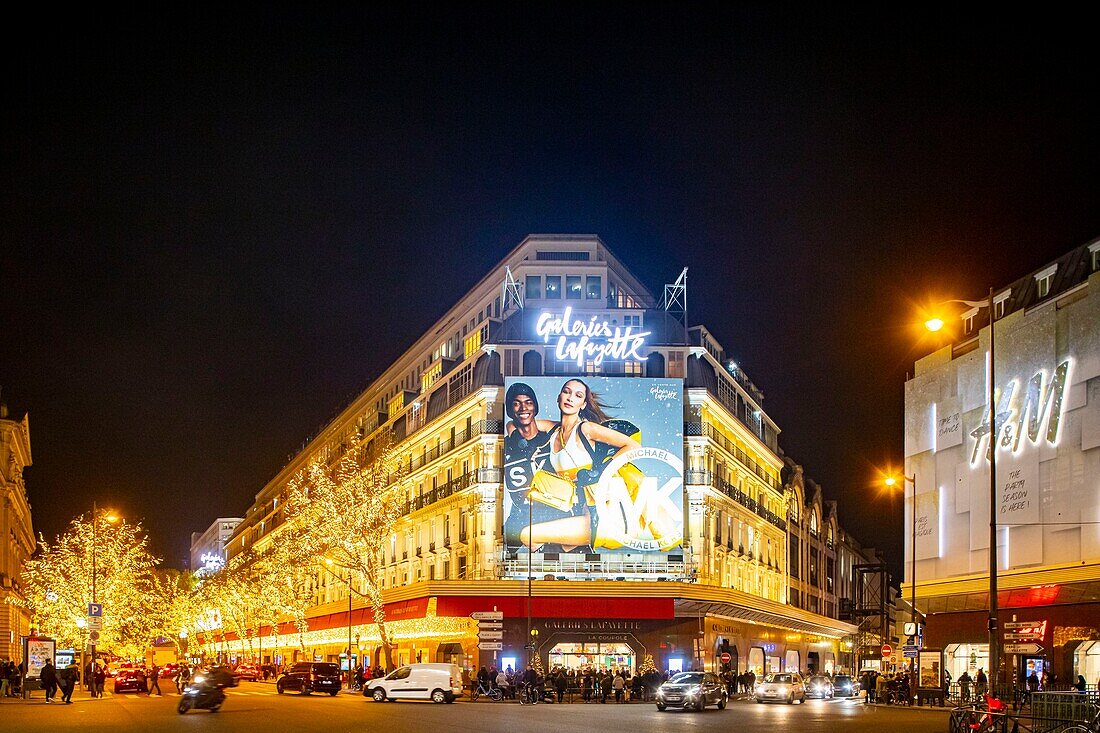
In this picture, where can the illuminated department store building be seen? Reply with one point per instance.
(1047, 377)
(682, 552)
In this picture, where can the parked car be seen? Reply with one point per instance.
(819, 686)
(309, 677)
(781, 687)
(844, 685)
(169, 671)
(429, 681)
(694, 690)
(129, 679)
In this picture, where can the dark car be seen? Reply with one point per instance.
(223, 675)
(307, 677)
(129, 679)
(819, 686)
(844, 685)
(692, 690)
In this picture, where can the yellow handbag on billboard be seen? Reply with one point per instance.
(552, 490)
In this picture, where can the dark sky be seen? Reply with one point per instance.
(215, 230)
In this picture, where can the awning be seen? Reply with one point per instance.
(450, 647)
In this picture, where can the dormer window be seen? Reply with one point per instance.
(1000, 304)
(1043, 280)
(968, 320)
(1094, 256)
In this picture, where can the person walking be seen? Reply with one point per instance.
(100, 678)
(618, 684)
(964, 686)
(981, 683)
(48, 678)
(560, 683)
(5, 678)
(69, 677)
(154, 676)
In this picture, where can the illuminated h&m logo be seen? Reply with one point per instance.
(590, 340)
(1039, 403)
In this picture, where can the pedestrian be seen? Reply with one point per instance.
(69, 677)
(964, 686)
(154, 675)
(4, 680)
(618, 684)
(560, 683)
(981, 683)
(1080, 685)
(48, 678)
(100, 679)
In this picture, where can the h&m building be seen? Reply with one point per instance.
(563, 424)
(1046, 374)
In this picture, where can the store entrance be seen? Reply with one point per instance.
(594, 656)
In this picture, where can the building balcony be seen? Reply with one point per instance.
(706, 478)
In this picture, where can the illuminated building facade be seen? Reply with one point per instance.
(1047, 442)
(15, 524)
(658, 527)
(208, 547)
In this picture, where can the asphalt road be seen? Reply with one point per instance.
(257, 707)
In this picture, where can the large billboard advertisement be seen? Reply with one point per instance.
(593, 464)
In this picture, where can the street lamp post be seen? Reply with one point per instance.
(109, 517)
(936, 324)
(891, 481)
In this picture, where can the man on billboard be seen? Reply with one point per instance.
(523, 437)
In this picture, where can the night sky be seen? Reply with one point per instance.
(216, 230)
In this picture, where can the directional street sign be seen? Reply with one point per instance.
(490, 634)
(487, 615)
(95, 609)
(490, 624)
(490, 646)
(909, 651)
(1024, 637)
(1023, 624)
(1022, 648)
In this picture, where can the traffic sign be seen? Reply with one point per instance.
(1022, 648)
(94, 636)
(95, 609)
(909, 651)
(1024, 637)
(490, 646)
(490, 624)
(1023, 624)
(490, 634)
(95, 623)
(726, 657)
(887, 650)
(487, 615)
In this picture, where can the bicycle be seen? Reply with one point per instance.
(493, 693)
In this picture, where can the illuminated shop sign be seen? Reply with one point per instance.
(1019, 411)
(592, 340)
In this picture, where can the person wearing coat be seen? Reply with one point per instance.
(48, 678)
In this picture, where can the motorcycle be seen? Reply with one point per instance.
(204, 693)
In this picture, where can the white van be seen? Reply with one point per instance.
(430, 681)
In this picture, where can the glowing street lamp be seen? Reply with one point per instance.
(109, 517)
(935, 324)
(891, 482)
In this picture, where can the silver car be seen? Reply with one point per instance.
(781, 687)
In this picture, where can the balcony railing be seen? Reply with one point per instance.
(481, 427)
(706, 478)
(454, 486)
(708, 431)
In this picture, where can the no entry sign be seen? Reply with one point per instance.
(725, 657)
(887, 651)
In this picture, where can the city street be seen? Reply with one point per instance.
(256, 706)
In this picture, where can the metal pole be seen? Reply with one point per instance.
(913, 580)
(95, 521)
(349, 631)
(994, 651)
(530, 555)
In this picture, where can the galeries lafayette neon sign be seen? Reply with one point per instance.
(591, 340)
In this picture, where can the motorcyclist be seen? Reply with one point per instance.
(206, 690)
